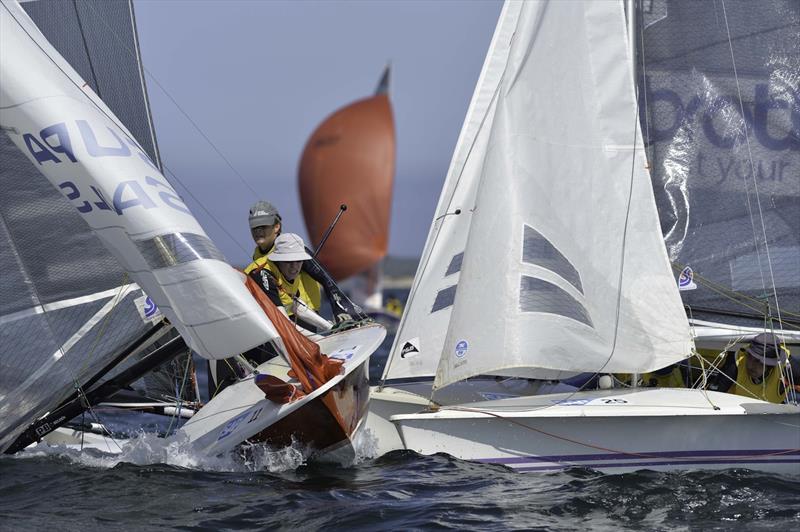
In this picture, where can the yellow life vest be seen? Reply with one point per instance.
(257, 254)
(304, 286)
(673, 379)
(770, 389)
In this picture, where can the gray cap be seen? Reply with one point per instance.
(289, 247)
(765, 349)
(263, 213)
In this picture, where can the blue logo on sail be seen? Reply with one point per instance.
(150, 308)
(686, 279)
(461, 348)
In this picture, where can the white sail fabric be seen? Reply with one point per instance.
(419, 339)
(52, 116)
(565, 268)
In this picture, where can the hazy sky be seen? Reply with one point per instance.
(258, 77)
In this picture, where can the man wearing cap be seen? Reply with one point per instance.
(265, 226)
(755, 371)
(282, 277)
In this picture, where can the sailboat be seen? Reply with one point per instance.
(72, 137)
(349, 160)
(564, 268)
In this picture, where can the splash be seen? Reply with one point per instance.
(149, 449)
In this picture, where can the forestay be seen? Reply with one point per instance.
(722, 94)
(419, 339)
(53, 117)
(565, 268)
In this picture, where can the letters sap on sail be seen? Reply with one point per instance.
(51, 115)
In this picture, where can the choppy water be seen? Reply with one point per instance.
(152, 488)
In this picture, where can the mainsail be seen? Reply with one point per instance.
(349, 159)
(721, 95)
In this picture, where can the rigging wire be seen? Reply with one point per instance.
(755, 181)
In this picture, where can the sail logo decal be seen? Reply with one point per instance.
(410, 348)
(537, 295)
(461, 348)
(344, 353)
(539, 251)
(148, 310)
(686, 280)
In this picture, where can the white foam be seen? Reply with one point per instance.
(148, 449)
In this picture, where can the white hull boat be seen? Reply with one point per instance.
(328, 419)
(614, 431)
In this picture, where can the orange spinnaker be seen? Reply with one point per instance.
(350, 159)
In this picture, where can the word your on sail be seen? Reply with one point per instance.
(54, 145)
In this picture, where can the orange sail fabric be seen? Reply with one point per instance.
(350, 159)
(310, 366)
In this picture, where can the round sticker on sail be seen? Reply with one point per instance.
(461, 348)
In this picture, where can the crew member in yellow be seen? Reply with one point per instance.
(265, 226)
(281, 277)
(755, 371)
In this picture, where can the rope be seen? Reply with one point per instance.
(755, 182)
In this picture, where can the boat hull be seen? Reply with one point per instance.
(328, 423)
(413, 396)
(325, 420)
(614, 431)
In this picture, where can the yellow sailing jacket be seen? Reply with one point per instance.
(771, 389)
(304, 287)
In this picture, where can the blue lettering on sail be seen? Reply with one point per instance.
(37, 149)
(168, 196)
(73, 193)
(64, 144)
(140, 197)
(755, 116)
(95, 149)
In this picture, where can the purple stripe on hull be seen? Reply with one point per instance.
(641, 456)
(603, 465)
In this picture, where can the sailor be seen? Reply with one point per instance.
(755, 371)
(282, 277)
(265, 226)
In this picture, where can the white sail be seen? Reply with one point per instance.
(565, 268)
(420, 337)
(53, 117)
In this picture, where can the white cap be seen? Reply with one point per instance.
(288, 247)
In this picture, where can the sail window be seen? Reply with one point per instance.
(537, 250)
(444, 298)
(177, 248)
(455, 264)
(537, 295)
